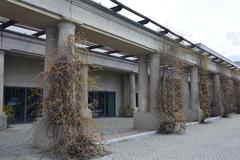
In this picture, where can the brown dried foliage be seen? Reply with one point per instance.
(206, 94)
(227, 95)
(72, 133)
(170, 108)
(237, 95)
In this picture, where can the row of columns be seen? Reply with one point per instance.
(146, 118)
(191, 100)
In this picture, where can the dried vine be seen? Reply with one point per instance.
(227, 95)
(206, 94)
(237, 95)
(170, 108)
(73, 134)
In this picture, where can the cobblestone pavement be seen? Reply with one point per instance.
(15, 144)
(218, 140)
(16, 141)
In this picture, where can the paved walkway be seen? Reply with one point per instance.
(218, 140)
(15, 144)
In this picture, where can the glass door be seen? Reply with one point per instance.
(24, 103)
(103, 103)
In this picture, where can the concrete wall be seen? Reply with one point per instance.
(112, 82)
(20, 72)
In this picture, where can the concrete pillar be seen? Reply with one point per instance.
(132, 91)
(143, 84)
(61, 42)
(51, 50)
(218, 108)
(194, 115)
(3, 117)
(66, 37)
(40, 136)
(129, 95)
(186, 94)
(51, 44)
(143, 119)
(83, 89)
(1, 79)
(125, 94)
(66, 44)
(154, 81)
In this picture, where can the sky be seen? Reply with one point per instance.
(215, 23)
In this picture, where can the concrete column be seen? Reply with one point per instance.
(186, 94)
(51, 44)
(218, 108)
(143, 84)
(83, 87)
(51, 49)
(66, 44)
(143, 119)
(129, 95)
(66, 37)
(1, 80)
(132, 91)
(40, 135)
(154, 81)
(194, 115)
(3, 117)
(125, 95)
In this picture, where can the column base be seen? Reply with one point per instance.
(41, 136)
(3, 121)
(193, 115)
(128, 112)
(146, 121)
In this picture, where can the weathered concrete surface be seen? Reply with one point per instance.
(3, 116)
(1, 79)
(143, 82)
(218, 140)
(41, 134)
(129, 95)
(146, 121)
(30, 47)
(132, 92)
(154, 81)
(194, 110)
(217, 107)
(186, 95)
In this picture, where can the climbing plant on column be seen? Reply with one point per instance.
(227, 95)
(237, 95)
(73, 134)
(205, 89)
(169, 107)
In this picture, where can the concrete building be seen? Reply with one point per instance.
(127, 51)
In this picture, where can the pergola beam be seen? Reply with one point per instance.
(7, 24)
